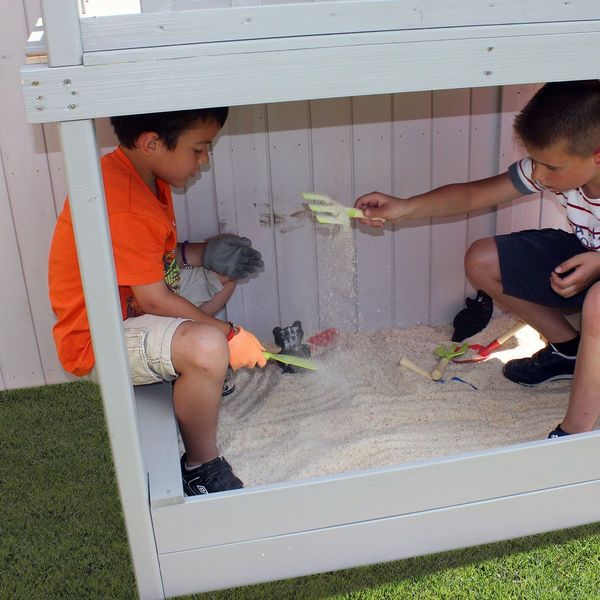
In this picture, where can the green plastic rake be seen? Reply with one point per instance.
(296, 361)
(328, 211)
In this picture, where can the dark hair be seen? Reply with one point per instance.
(167, 125)
(568, 110)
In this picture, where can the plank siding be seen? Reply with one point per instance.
(289, 160)
(19, 362)
(250, 173)
(374, 248)
(29, 203)
(265, 157)
(484, 142)
(449, 164)
(332, 168)
(412, 175)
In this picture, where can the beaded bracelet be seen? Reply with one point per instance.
(186, 264)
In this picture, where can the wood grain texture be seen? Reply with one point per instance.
(252, 20)
(368, 542)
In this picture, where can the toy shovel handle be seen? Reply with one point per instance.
(357, 213)
(509, 333)
(409, 364)
(493, 346)
(439, 369)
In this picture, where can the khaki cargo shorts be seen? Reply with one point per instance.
(148, 337)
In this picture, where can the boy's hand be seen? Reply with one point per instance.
(232, 256)
(376, 204)
(575, 274)
(245, 351)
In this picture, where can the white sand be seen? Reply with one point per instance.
(362, 410)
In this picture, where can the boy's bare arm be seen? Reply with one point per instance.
(158, 299)
(445, 201)
(462, 198)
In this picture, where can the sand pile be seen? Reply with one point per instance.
(362, 410)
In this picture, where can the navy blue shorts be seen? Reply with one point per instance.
(528, 257)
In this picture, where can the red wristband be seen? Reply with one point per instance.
(233, 329)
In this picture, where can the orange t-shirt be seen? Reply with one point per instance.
(144, 241)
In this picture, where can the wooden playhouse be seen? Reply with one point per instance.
(181, 54)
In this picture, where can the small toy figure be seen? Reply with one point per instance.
(474, 317)
(289, 339)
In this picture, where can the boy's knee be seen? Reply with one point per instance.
(196, 345)
(480, 256)
(591, 304)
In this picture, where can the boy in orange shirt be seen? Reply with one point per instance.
(169, 292)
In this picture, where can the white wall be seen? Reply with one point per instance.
(266, 156)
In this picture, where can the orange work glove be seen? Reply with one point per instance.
(245, 350)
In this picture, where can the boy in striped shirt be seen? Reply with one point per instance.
(537, 275)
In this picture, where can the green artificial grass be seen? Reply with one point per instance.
(62, 532)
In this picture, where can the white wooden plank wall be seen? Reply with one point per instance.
(266, 156)
(332, 168)
(26, 351)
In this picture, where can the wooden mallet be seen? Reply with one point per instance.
(409, 364)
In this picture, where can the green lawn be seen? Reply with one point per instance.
(62, 534)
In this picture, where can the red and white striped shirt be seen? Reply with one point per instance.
(583, 213)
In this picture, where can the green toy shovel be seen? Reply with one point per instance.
(446, 353)
(296, 361)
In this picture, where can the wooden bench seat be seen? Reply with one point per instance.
(160, 449)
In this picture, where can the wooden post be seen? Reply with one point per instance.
(90, 224)
(62, 31)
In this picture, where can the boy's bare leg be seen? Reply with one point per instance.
(200, 355)
(584, 403)
(218, 301)
(483, 271)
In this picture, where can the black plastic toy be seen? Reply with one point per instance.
(474, 317)
(289, 339)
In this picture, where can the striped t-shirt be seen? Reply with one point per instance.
(583, 213)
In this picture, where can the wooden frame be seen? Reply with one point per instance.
(284, 69)
(183, 545)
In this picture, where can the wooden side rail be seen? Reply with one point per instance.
(160, 448)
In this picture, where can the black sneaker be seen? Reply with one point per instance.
(208, 478)
(557, 433)
(547, 364)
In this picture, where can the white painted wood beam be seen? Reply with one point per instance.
(529, 54)
(62, 32)
(377, 493)
(380, 540)
(94, 250)
(317, 18)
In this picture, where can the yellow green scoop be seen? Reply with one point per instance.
(328, 211)
(296, 361)
(334, 216)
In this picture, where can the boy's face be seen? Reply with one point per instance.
(178, 166)
(559, 170)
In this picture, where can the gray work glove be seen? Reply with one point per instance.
(231, 255)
